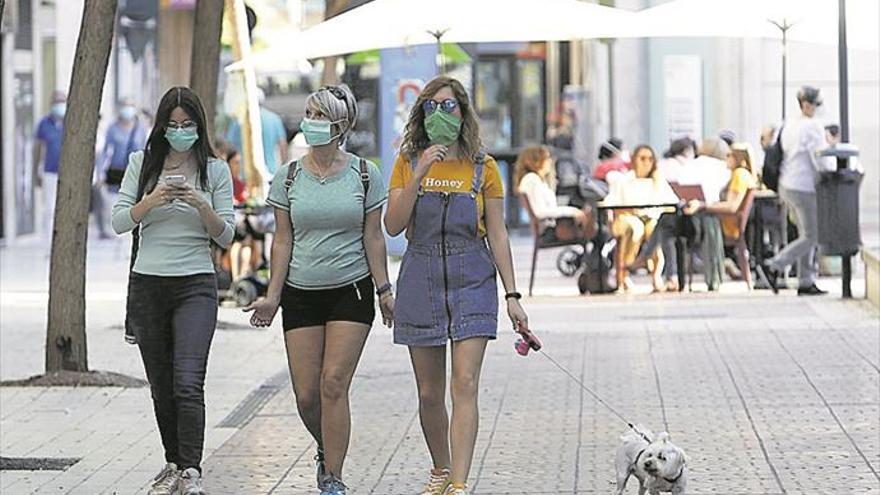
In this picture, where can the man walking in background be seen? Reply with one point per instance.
(47, 156)
(802, 138)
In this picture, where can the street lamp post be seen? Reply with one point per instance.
(783, 26)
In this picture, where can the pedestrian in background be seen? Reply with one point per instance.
(123, 137)
(179, 197)
(328, 259)
(47, 158)
(803, 137)
(274, 135)
(449, 198)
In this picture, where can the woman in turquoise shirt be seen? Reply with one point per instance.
(179, 196)
(328, 259)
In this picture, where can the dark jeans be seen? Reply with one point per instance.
(174, 319)
(668, 227)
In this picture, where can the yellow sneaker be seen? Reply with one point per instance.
(438, 482)
(456, 490)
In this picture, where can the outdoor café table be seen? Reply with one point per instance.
(679, 242)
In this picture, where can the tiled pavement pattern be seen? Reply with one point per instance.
(766, 395)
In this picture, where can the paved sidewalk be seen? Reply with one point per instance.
(766, 395)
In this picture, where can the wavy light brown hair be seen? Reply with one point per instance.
(415, 137)
(653, 173)
(531, 159)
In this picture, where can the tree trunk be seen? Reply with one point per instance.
(66, 333)
(205, 61)
(331, 10)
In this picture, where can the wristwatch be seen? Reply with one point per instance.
(386, 287)
(513, 295)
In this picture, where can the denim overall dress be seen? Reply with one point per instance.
(446, 288)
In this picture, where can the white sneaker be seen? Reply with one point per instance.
(190, 483)
(437, 483)
(164, 482)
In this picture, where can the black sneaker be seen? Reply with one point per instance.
(811, 291)
(321, 474)
(772, 277)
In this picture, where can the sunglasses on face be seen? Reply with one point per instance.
(189, 124)
(448, 106)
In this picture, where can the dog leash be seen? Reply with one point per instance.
(530, 342)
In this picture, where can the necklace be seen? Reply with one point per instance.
(323, 171)
(177, 165)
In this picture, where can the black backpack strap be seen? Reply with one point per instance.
(291, 174)
(365, 177)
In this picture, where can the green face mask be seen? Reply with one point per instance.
(442, 127)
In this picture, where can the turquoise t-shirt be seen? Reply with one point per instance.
(174, 239)
(328, 224)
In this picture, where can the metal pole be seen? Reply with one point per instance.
(611, 113)
(783, 26)
(843, 76)
(784, 65)
(843, 73)
(441, 63)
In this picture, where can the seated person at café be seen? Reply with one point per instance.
(710, 172)
(640, 186)
(742, 178)
(534, 177)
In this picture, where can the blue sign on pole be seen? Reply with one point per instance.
(404, 72)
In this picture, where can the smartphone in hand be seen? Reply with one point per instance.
(175, 180)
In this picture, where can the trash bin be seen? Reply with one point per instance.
(837, 197)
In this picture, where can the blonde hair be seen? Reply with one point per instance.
(415, 137)
(531, 159)
(742, 157)
(328, 104)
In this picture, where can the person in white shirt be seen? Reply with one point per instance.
(802, 139)
(644, 184)
(534, 177)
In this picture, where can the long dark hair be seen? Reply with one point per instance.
(157, 146)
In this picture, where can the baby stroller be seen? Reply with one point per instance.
(574, 182)
(253, 222)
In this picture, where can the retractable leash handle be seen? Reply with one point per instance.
(527, 342)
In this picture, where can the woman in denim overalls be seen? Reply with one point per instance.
(448, 197)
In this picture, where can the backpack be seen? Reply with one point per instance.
(362, 165)
(773, 158)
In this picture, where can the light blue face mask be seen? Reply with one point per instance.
(182, 139)
(59, 109)
(317, 132)
(127, 112)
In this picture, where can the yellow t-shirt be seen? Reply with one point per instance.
(454, 176)
(741, 180)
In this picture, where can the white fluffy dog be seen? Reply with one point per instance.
(659, 465)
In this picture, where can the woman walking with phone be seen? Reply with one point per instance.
(179, 196)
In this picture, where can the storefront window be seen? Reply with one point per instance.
(530, 117)
(493, 101)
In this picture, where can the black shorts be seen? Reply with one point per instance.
(310, 308)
